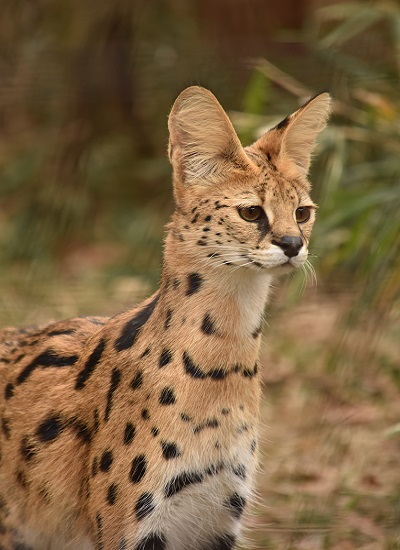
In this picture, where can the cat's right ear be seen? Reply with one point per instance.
(203, 146)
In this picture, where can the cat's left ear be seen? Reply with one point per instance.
(291, 143)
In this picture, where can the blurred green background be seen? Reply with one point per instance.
(85, 90)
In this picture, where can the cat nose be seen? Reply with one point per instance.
(290, 245)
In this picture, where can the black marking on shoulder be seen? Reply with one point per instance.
(165, 358)
(144, 505)
(182, 481)
(145, 414)
(138, 469)
(236, 504)
(114, 383)
(168, 318)
(218, 374)
(207, 325)
(28, 449)
(129, 433)
(90, 365)
(167, 396)
(195, 281)
(99, 523)
(137, 381)
(106, 460)
(9, 391)
(61, 332)
(47, 358)
(50, 428)
(82, 430)
(169, 450)
(191, 368)
(154, 541)
(131, 329)
(5, 426)
(112, 493)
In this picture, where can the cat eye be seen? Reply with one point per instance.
(303, 214)
(251, 213)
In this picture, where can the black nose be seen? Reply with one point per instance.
(290, 245)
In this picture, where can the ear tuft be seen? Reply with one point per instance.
(203, 145)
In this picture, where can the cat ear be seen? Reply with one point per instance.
(203, 146)
(291, 143)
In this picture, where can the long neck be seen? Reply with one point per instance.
(216, 311)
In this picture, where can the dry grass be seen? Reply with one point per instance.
(331, 450)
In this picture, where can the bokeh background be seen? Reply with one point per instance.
(85, 192)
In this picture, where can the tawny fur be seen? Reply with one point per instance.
(139, 432)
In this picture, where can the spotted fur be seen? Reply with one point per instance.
(139, 432)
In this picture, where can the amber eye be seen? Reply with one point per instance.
(251, 213)
(303, 214)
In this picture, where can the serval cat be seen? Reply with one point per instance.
(139, 432)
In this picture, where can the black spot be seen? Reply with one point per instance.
(28, 449)
(168, 319)
(152, 542)
(137, 381)
(90, 365)
(131, 329)
(96, 420)
(258, 330)
(99, 523)
(144, 506)
(181, 481)
(185, 417)
(253, 446)
(112, 493)
(194, 220)
(217, 374)
(165, 358)
(9, 391)
(49, 429)
(138, 468)
(236, 504)
(207, 218)
(95, 466)
(5, 426)
(61, 332)
(202, 243)
(145, 353)
(47, 358)
(195, 281)
(21, 478)
(81, 429)
(240, 471)
(129, 433)
(106, 461)
(114, 383)
(212, 423)
(169, 450)
(208, 326)
(225, 411)
(191, 368)
(226, 542)
(167, 396)
(215, 469)
(145, 414)
(219, 206)
(155, 431)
